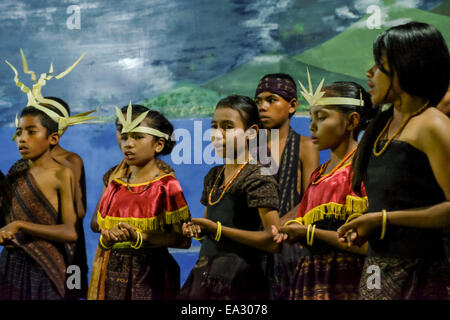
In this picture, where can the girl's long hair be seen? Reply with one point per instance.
(417, 53)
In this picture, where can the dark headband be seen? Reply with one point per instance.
(282, 87)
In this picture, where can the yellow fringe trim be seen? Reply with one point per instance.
(145, 224)
(143, 183)
(338, 211)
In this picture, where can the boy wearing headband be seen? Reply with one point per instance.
(41, 238)
(276, 97)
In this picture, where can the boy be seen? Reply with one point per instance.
(75, 163)
(276, 98)
(42, 229)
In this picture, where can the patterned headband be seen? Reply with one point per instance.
(282, 87)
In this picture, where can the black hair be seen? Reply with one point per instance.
(245, 106)
(349, 89)
(157, 121)
(47, 122)
(419, 56)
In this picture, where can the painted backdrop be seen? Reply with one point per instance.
(180, 57)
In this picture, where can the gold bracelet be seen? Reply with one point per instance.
(307, 234)
(102, 244)
(219, 231)
(138, 243)
(311, 240)
(298, 220)
(383, 227)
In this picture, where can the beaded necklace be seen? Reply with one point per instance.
(212, 203)
(378, 153)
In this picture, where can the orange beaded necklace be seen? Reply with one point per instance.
(212, 203)
(378, 153)
(324, 166)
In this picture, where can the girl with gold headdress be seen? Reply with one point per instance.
(139, 215)
(328, 269)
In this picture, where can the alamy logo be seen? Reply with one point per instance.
(74, 277)
(374, 280)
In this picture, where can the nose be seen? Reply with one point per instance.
(369, 72)
(263, 106)
(312, 126)
(128, 143)
(216, 134)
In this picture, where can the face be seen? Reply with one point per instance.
(228, 132)
(32, 140)
(328, 127)
(379, 83)
(273, 109)
(139, 148)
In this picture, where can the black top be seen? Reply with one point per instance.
(401, 178)
(238, 208)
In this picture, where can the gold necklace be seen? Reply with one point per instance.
(374, 150)
(323, 167)
(212, 203)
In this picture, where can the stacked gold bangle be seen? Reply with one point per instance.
(383, 227)
(138, 243)
(102, 244)
(310, 239)
(218, 232)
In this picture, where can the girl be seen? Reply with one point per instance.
(139, 215)
(329, 270)
(403, 161)
(237, 199)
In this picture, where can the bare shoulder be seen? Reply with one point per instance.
(433, 130)
(64, 175)
(67, 158)
(433, 123)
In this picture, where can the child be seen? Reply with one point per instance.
(54, 117)
(237, 199)
(140, 215)
(276, 98)
(403, 161)
(327, 271)
(75, 163)
(42, 217)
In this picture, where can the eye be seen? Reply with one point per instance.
(18, 133)
(214, 126)
(123, 136)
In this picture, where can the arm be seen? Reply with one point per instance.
(64, 232)
(94, 224)
(309, 160)
(155, 238)
(290, 215)
(261, 240)
(294, 233)
(434, 139)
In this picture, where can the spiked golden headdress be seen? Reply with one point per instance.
(36, 100)
(317, 99)
(132, 126)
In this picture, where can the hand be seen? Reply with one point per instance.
(6, 238)
(205, 225)
(129, 231)
(291, 233)
(11, 228)
(191, 230)
(357, 231)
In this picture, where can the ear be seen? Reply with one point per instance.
(252, 131)
(159, 145)
(293, 104)
(53, 138)
(353, 121)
